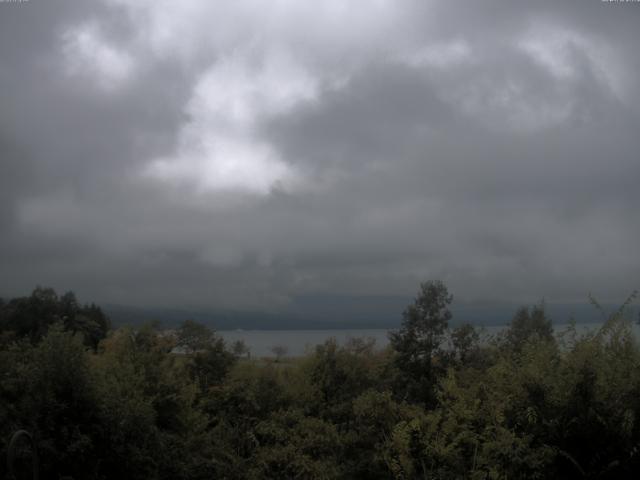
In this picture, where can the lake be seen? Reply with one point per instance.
(299, 342)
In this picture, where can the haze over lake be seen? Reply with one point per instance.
(300, 342)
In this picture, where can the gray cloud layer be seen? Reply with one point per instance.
(236, 154)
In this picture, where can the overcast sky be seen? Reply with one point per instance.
(241, 153)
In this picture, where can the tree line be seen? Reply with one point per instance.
(437, 403)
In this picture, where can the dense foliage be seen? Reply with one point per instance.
(437, 404)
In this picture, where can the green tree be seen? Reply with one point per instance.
(339, 374)
(210, 365)
(279, 351)
(417, 345)
(464, 340)
(209, 359)
(240, 349)
(527, 323)
(151, 426)
(58, 403)
(31, 317)
(194, 336)
(296, 446)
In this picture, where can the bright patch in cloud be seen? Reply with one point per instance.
(239, 90)
(440, 55)
(560, 51)
(89, 54)
(186, 28)
(225, 164)
(219, 148)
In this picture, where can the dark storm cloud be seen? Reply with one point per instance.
(188, 153)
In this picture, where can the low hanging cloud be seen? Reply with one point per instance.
(239, 154)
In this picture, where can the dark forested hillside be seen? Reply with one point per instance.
(142, 403)
(341, 312)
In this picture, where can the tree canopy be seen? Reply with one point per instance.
(418, 342)
(439, 403)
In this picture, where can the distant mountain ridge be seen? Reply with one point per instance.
(343, 312)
